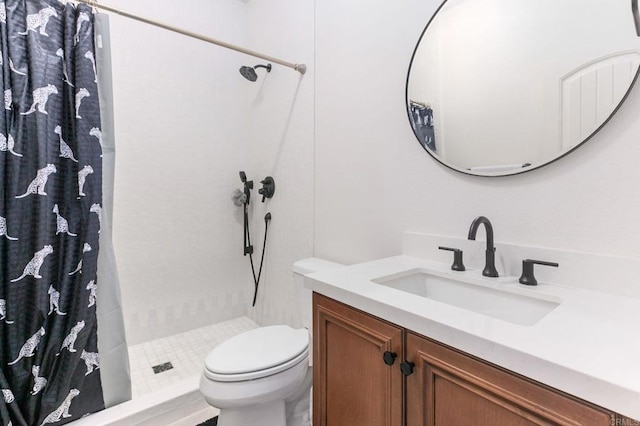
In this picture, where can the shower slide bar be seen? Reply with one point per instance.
(301, 68)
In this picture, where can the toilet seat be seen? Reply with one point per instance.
(257, 353)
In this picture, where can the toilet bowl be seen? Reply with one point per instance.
(251, 376)
(263, 376)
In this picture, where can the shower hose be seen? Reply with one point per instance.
(249, 249)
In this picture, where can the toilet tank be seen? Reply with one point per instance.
(304, 296)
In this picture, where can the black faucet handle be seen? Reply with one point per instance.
(268, 188)
(527, 277)
(457, 265)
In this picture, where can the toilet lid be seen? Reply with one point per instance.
(258, 350)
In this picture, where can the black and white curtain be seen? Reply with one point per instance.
(50, 212)
(421, 116)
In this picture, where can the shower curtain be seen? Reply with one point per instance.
(50, 213)
(112, 343)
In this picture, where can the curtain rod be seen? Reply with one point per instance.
(301, 68)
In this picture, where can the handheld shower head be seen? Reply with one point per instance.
(248, 186)
(250, 72)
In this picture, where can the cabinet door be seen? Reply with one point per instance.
(451, 388)
(352, 384)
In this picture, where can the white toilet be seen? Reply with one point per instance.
(263, 376)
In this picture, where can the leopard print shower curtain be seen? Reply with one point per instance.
(50, 206)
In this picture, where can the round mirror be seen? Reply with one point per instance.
(500, 87)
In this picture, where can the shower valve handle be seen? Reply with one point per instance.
(268, 188)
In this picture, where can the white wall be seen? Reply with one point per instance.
(280, 144)
(373, 179)
(178, 237)
(180, 142)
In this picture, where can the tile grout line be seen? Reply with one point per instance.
(185, 352)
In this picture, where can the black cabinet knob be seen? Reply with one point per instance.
(407, 368)
(389, 357)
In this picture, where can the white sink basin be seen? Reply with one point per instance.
(506, 304)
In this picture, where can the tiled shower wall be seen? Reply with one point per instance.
(281, 144)
(180, 142)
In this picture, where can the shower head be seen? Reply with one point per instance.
(250, 72)
(238, 199)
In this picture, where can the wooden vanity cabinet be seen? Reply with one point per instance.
(444, 387)
(352, 384)
(452, 388)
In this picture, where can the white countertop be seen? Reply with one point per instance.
(589, 346)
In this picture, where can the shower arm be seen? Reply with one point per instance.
(301, 68)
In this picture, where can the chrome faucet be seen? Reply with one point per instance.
(490, 254)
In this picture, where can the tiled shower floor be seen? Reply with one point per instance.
(185, 351)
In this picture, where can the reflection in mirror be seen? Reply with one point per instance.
(499, 87)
